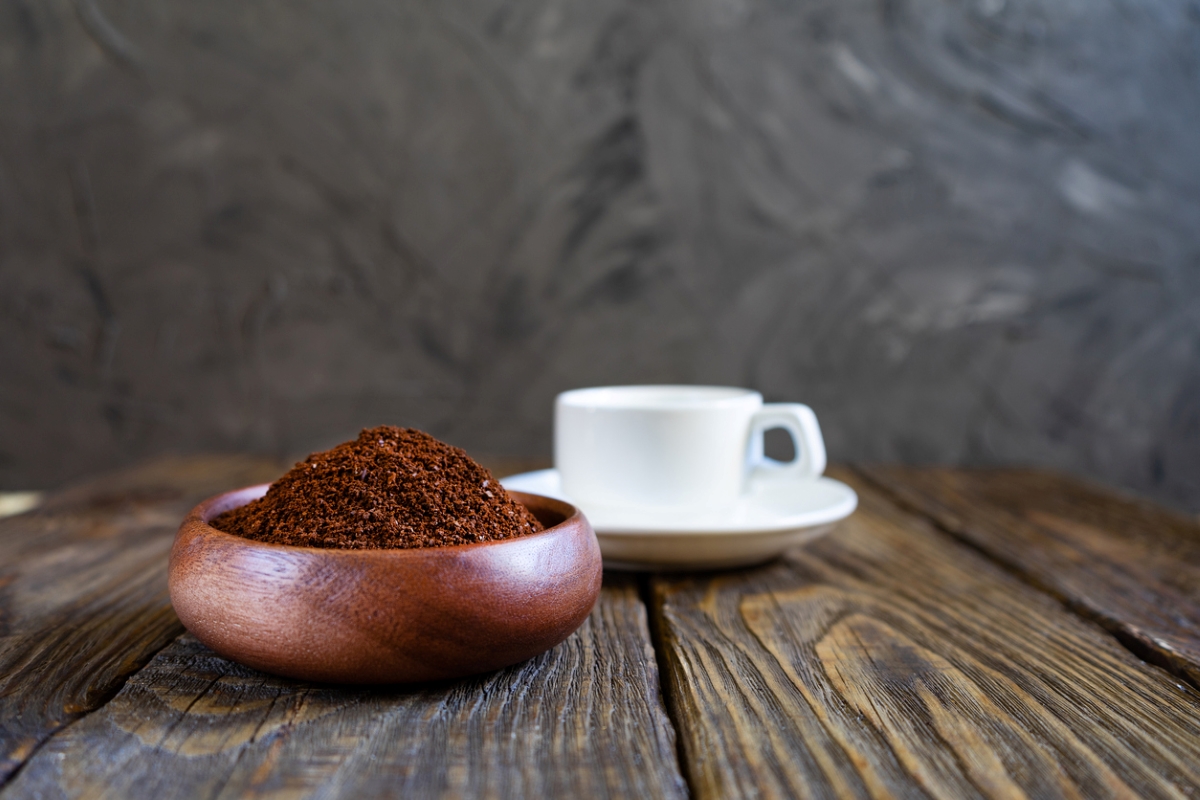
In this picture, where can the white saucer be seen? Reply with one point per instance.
(772, 517)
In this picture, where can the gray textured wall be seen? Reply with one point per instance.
(961, 231)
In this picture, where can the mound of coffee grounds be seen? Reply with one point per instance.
(390, 488)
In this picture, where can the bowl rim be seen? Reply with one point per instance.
(196, 519)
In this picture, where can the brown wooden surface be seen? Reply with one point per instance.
(890, 660)
(1131, 566)
(941, 642)
(83, 592)
(582, 720)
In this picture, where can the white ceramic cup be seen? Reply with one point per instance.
(675, 446)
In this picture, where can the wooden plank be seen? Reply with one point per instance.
(1131, 566)
(889, 660)
(83, 594)
(584, 720)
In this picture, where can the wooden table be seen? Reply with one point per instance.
(965, 633)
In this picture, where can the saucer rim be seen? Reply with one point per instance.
(822, 516)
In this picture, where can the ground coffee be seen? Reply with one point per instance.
(391, 488)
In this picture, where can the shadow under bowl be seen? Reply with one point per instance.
(383, 616)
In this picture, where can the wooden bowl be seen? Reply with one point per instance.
(383, 616)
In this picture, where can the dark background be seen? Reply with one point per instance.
(962, 231)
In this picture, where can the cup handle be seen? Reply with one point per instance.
(801, 424)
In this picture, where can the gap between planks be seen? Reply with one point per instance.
(658, 642)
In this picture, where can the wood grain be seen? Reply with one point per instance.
(1131, 566)
(83, 591)
(890, 660)
(582, 720)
